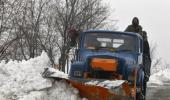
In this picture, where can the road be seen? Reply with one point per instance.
(158, 92)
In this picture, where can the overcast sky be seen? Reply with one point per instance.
(154, 17)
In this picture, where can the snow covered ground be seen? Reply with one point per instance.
(160, 77)
(23, 81)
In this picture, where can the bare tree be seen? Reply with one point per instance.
(157, 63)
(79, 14)
(7, 27)
(29, 26)
(29, 22)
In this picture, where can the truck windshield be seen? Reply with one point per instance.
(110, 41)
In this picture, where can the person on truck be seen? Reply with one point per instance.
(135, 27)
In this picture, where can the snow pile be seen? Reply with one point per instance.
(160, 77)
(23, 81)
(153, 80)
(63, 91)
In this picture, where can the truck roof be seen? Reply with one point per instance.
(109, 31)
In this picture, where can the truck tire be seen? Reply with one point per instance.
(140, 96)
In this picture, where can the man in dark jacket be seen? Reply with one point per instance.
(135, 27)
(146, 60)
(146, 56)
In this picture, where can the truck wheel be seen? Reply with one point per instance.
(140, 96)
(144, 88)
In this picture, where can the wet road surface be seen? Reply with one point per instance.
(157, 92)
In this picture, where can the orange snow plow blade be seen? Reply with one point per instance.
(99, 93)
(95, 92)
(99, 89)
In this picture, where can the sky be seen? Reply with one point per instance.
(154, 17)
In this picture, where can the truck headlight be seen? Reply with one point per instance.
(78, 73)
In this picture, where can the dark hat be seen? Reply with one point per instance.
(135, 21)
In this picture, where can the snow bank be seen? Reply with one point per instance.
(23, 81)
(160, 77)
(63, 91)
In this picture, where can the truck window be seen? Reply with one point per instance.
(110, 41)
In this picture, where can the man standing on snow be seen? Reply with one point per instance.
(146, 56)
(146, 60)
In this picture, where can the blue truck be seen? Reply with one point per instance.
(108, 65)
